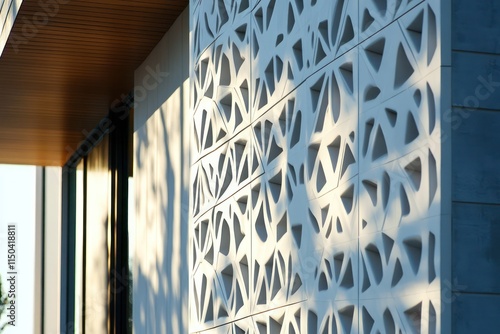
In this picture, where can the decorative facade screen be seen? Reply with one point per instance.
(316, 186)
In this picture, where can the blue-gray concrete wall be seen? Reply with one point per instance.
(475, 123)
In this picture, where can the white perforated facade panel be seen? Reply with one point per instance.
(316, 177)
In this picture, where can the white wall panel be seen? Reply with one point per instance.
(161, 177)
(317, 166)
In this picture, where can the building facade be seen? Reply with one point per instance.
(319, 201)
(292, 166)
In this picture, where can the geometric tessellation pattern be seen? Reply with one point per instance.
(316, 166)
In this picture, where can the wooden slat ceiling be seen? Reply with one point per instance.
(61, 82)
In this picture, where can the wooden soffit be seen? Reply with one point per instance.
(64, 63)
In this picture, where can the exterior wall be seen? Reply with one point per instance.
(161, 179)
(8, 14)
(318, 196)
(476, 183)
